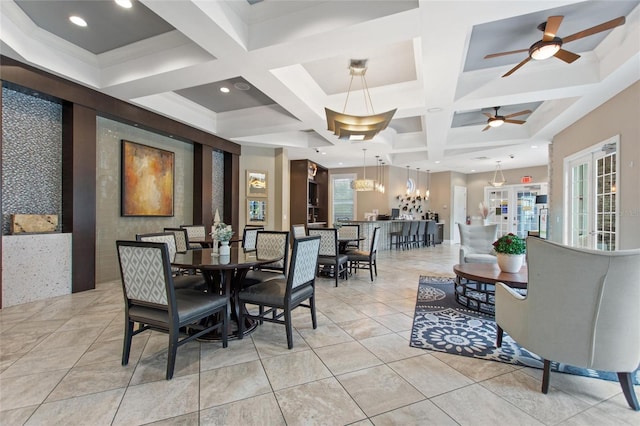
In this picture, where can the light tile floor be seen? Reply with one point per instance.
(60, 364)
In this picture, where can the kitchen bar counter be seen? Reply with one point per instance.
(386, 226)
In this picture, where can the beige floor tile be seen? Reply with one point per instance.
(271, 340)
(18, 416)
(97, 408)
(592, 416)
(264, 410)
(587, 389)
(326, 335)
(523, 391)
(340, 312)
(375, 309)
(93, 378)
(190, 419)
(23, 391)
(347, 357)
(213, 355)
(232, 383)
(390, 347)
(111, 351)
(45, 360)
(477, 406)
(617, 408)
(474, 368)
(396, 322)
(294, 369)
(364, 328)
(430, 375)
(379, 389)
(153, 365)
(159, 400)
(418, 414)
(322, 402)
(6, 360)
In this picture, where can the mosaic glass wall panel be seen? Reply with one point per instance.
(31, 156)
(217, 183)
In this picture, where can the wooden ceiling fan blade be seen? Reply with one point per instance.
(495, 55)
(514, 69)
(551, 27)
(594, 30)
(486, 128)
(515, 121)
(488, 115)
(515, 114)
(566, 56)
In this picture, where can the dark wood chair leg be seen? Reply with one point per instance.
(499, 336)
(545, 376)
(126, 347)
(626, 381)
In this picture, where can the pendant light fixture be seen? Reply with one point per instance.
(409, 186)
(382, 187)
(417, 181)
(498, 178)
(363, 184)
(358, 127)
(377, 181)
(427, 192)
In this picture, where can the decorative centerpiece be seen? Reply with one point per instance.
(222, 232)
(510, 251)
(483, 209)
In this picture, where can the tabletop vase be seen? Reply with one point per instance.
(225, 250)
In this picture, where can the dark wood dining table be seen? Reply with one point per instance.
(344, 241)
(224, 274)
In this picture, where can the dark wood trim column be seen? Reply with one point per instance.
(79, 191)
(1, 184)
(232, 191)
(202, 186)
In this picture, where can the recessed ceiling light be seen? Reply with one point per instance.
(339, 164)
(323, 153)
(435, 109)
(241, 86)
(124, 3)
(78, 21)
(473, 170)
(534, 146)
(437, 162)
(224, 89)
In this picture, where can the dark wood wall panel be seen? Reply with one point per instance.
(79, 191)
(232, 190)
(202, 187)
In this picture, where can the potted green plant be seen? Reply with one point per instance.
(510, 250)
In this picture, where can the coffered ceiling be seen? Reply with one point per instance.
(284, 61)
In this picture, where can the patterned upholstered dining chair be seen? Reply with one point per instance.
(350, 231)
(182, 240)
(195, 232)
(360, 259)
(330, 258)
(180, 279)
(249, 237)
(270, 244)
(152, 301)
(281, 296)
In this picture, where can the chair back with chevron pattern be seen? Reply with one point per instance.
(270, 244)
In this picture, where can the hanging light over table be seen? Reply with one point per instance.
(498, 178)
(358, 127)
(363, 184)
(427, 193)
(417, 181)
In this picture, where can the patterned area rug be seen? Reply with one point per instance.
(441, 324)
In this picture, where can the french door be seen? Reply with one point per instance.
(513, 207)
(592, 197)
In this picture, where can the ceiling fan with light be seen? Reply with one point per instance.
(496, 120)
(551, 45)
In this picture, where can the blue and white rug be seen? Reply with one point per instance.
(441, 324)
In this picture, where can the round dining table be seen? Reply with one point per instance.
(224, 274)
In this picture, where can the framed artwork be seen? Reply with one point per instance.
(256, 183)
(256, 211)
(147, 180)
